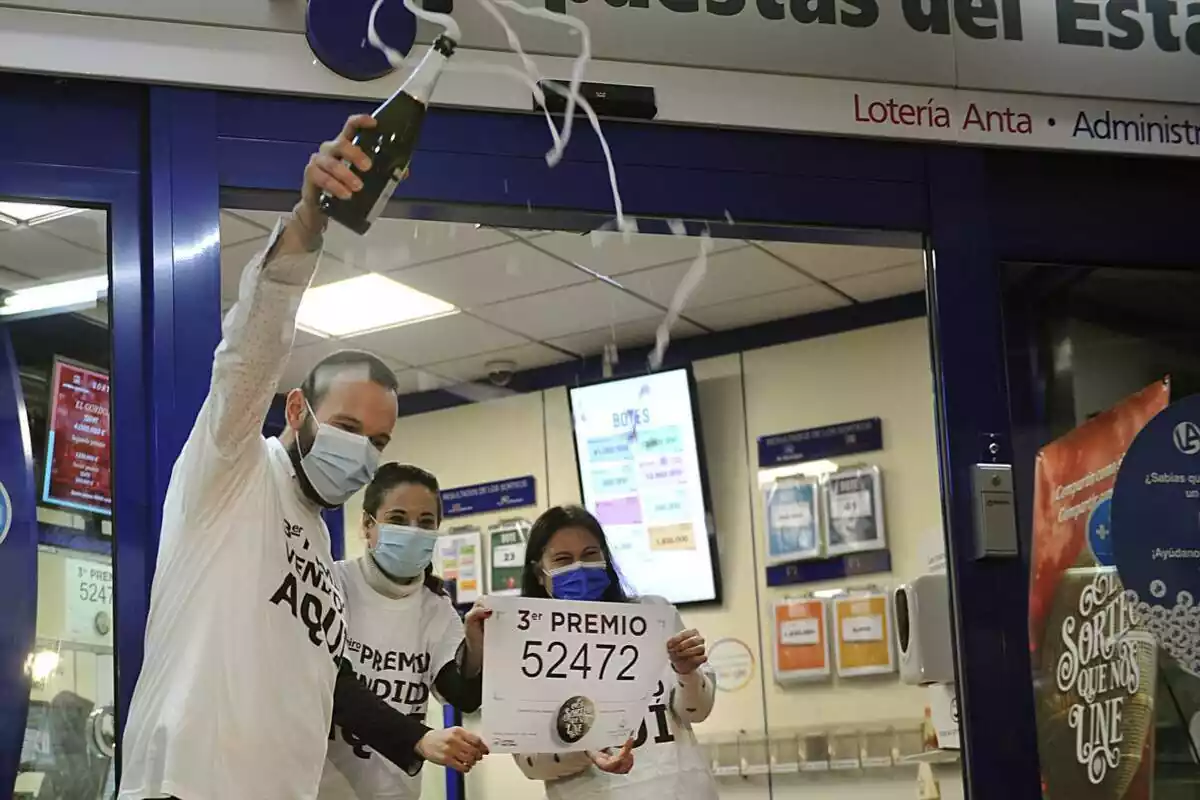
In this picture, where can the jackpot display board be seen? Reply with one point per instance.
(78, 440)
(640, 470)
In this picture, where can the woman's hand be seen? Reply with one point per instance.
(618, 764)
(473, 630)
(687, 652)
(456, 748)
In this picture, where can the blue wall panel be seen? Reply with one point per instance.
(990, 619)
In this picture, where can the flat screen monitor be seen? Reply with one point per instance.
(78, 472)
(641, 469)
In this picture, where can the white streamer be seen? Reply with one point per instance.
(395, 57)
(691, 279)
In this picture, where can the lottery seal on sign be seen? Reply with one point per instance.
(566, 676)
(574, 719)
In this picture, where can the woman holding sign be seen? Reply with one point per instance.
(404, 637)
(568, 558)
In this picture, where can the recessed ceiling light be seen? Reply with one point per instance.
(33, 213)
(63, 296)
(364, 304)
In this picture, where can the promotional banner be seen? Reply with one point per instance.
(88, 588)
(78, 444)
(1094, 669)
(565, 676)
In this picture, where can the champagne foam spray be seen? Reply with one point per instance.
(533, 78)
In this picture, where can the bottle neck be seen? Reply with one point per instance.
(421, 83)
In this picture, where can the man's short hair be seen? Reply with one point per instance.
(355, 364)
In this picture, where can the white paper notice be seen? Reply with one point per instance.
(564, 676)
(89, 600)
(862, 629)
(800, 632)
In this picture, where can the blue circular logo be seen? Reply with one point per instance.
(5, 513)
(1156, 519)
(1099, 532)
(337, 34)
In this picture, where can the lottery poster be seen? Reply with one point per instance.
(854, 505)
(863, 632)
(566, 676)
(459, 558)
(1094, 667)
(506, 556)
(791, 511)
(801, 640)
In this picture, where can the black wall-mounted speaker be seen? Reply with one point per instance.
(611, 100)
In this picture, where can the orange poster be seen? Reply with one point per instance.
(1094, 670)
(863, 632)
(801, 640)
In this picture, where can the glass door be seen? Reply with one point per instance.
(1082, 340)
(55, 330)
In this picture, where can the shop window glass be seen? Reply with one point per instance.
(1082, 341)
(54, 278)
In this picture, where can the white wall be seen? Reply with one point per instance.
(882, 371)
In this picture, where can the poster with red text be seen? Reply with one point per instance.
(1094, 669)
(78, 440)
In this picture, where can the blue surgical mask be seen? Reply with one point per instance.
(579, 581)
(402, 551)
(339, 463)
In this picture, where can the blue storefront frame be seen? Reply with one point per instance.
(161, 159)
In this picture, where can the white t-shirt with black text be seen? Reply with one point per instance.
(397, 646)
(235, 697)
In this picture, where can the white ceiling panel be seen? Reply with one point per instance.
(436, 340)
(731, 275)
(885, 283)
(608, 253)
(490, 276)
(394, 244)
(234, 260)
(570, 310)
(767, 307)
(833, 262)
(237, 227)
(87, 228)
(30, 251)
(630, 334)
(474, 367)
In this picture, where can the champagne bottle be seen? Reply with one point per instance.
(391, 143)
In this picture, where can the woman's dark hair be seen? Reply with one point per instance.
(389, 477)
(551, 522)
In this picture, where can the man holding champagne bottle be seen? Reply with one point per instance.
(243, 674)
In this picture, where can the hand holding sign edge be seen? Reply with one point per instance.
(619, 764)
(687, 651)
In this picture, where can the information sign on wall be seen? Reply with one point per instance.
(482, 498)
(829, 441)
(459, 558)
(78, 445)
(89, 600)
(506, 556)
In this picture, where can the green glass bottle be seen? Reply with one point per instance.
(391, 143)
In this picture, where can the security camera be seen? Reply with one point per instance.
(500, 372)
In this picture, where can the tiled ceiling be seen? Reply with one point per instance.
(532, 298)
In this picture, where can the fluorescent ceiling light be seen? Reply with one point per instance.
(51, 296)
(364, 304)
(33, 213)
(41, 665)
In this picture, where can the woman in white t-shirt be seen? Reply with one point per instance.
(568, 558)
(404, 637)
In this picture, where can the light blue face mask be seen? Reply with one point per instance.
(403, 551)
(339, 463)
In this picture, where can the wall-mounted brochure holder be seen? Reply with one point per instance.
(802, 651)
(854, 507)
(459, 559)
(792, 515)
(506, 555)
(863, 631)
